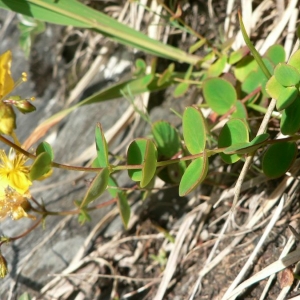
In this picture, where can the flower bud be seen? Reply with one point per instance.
(24, 106)
(7, 119)
(3, 266)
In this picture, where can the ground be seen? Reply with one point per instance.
(171, 241)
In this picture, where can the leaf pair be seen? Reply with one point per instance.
(284, 87)
(103, 179)
(42, 166)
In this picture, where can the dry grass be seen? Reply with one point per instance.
(219, 253)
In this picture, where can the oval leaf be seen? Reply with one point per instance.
(149, 164)
(243, 148)
(274, 88)
(181, 89)
(193, 175)
(287, 97)
(101, 146)
(166, 138)
(142, 152)
(122, 202)
(219, 94)
(217, 68)
(290, 121)
(286, 75)
(41, 166)
(166, 75)
(194, 130)
(234, 131)
(294, 60)
(172, 173)
(244, 67)
(238, 55)
(45, 147)
(276, 54)
(279, 158)
(97, 187)
(257, 78)
(240, 111)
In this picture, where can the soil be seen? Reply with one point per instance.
(115, 263)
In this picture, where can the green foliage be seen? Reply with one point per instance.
(97, 187)
(238, 96)
(243, 148)
(29, 29)
(41, 166)
(167, 139)
(194, 130)
(235, 131)
(45, 147)
(219, 94)
(142, 152)
(193, 175)
(25, 296)
(122, 200)
(101, 146)
(75, 13)
(279, 158)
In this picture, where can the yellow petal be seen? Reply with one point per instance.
(6, 81)
(19, 182)
(18, 213)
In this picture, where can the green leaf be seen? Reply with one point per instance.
(84, 216)
(290, 121)
(219, 94)
(193, 175)
(287, 97)
(294, 60)
(183, 86)
(97, 187)
(279, 158)
(122, 201)
(142, 152)
(167, 139)
(140, 66)
(237, 55)
(45, 147)
(286, 75)
(166, 75)
(194, 130)
(245, 67)
(276, 54)
(217, 68)
(234, 131)
(149, 164)
(172, 173)
(29, 28)
(101, 146)
(25, 296)
(75, 13)
(257, 78)
(274, 88)
(41, 166)
(181, 89)
(252, 49)
(240, 112)
(243, 148)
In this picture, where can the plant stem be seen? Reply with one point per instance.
(11, 239)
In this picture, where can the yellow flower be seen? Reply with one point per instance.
(6, 81)
(3, 266)
(13, 173)
(14, 205)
